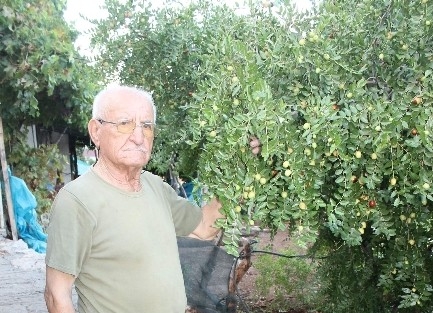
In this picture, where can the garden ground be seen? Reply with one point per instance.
(255, 302)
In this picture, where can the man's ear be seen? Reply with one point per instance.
(93, 127)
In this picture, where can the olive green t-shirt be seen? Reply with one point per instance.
(121, 246)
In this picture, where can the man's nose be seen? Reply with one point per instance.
(137, 134)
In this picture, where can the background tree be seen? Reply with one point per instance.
(44, 82)
(340, 99)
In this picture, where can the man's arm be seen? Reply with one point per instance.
(58, 291)
(206, 229)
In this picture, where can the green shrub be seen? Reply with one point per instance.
(40, 168)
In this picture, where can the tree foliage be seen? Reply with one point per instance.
(44, 82)
(341, 100)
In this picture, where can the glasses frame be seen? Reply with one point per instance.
(144, 126)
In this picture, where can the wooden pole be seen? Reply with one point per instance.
(7, 184)
(2, 218)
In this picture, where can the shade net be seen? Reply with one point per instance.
(206, 270)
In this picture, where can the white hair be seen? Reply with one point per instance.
(100, 100)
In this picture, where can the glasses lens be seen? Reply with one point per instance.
(126, 127)
(148, 129)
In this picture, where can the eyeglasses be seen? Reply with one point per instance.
(128, 126)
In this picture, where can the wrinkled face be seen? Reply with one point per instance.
(117, 146)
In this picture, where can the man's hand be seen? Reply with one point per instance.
(255, 145)
(205, 229)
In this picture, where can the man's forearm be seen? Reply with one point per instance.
(54, 307)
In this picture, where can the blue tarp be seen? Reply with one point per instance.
(28, 227)
(82, 167)
(192, 195)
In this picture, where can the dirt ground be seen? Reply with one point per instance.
(247, 286)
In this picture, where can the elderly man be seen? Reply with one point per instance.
(113, 230)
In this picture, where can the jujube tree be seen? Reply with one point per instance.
(340, 99)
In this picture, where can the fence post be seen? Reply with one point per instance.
(7, 185)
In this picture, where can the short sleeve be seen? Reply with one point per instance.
(186, 215)
(69, 233)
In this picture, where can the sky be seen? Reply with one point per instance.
(91, 9)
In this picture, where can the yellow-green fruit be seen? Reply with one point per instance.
(302, 205)
(284, 194)
(263, 180)
(286, 164)
(238, 209)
